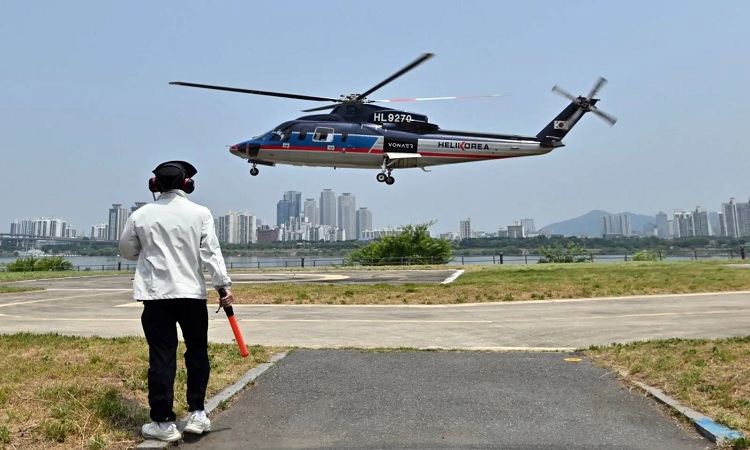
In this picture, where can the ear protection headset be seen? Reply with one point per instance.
(187, 184)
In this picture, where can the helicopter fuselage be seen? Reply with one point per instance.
(366, 146)
(398, 140)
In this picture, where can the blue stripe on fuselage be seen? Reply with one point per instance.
(352, 140)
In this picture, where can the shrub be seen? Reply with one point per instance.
(563, 254)
(46, 263)
(645, 255)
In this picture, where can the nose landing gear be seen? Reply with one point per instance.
(254, 171)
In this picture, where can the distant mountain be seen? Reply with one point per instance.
(590, 224)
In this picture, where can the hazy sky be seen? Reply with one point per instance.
(86, 111)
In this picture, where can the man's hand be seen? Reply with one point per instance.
(227, 300)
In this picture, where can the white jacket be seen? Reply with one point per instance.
(172, 238)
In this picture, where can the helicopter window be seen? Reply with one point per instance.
(276, 136)
(344, 136)
(302, 134)
(323, 134)
(263, 136)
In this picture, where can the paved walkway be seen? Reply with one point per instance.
(428, 400)
(103, 306)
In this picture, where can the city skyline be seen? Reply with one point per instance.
(663, 226)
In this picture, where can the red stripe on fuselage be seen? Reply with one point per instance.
(380, 152)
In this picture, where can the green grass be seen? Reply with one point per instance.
(710, 376)
(9, 277)
(496, 283)
(67, 392)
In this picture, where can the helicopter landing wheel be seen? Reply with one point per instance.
(389, 180)
(381, 177)
(254, 171)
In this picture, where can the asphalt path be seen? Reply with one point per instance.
(345, 399)
(103, 306)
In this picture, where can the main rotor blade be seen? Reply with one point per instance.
(252, 91)
(599, 83)
(460, 97)
(319, 108)
(610, 119)
(412, 65)
(564, 93)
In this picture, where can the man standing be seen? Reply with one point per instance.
(172, 239)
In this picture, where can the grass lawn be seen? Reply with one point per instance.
(6, 277)
(490, 283)
(90, 393)
(495, 283)
(709, 376)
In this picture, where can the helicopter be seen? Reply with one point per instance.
(355, 133)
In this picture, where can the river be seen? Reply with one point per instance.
(92, 263)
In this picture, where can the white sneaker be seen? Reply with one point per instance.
(154, 431)
(197, 423)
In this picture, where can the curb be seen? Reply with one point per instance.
(706, 426)
(216, 400)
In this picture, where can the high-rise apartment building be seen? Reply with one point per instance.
(311, 211)
(730, 218)
(701, 224)
(328, 208)
(44, 227)
(236, 228)
(516, 230)
(364, 221)
(662, 225)
(464, 229)
(683, 224)
(743, 219)
(288, 207)
(347, 222)
(100, 232)
(118, 216)
(616, 224)
(722, 225)
(528, 226)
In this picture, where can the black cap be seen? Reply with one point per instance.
(172, 174)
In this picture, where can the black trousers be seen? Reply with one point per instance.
(159, 320)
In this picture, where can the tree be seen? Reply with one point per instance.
(413, 245)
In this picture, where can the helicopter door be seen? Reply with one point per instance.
(325, 149)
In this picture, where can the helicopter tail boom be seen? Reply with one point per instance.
(561, 125)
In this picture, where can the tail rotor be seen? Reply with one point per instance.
(586, 104)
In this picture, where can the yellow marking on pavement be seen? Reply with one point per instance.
(53, 299)
(572, 359)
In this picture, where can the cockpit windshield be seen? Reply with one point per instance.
(273, 135)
